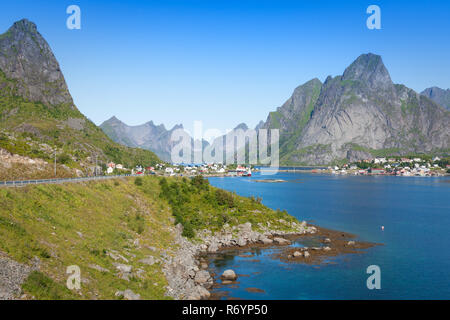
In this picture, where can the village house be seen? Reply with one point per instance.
(111, 165)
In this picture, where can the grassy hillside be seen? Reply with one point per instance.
(85, 224)
(33, 129)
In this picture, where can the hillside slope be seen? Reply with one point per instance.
(37, 113)
(120, 233)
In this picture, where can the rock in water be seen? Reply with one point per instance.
(281, 241)
(229, 275)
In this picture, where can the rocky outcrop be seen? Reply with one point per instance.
(128, 295)
(186, 277)
(12, 275)
(26, 57)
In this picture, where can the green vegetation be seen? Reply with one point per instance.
(82, 223)
(375, 152)
(39, 285)
(274, 120)
(197, 205)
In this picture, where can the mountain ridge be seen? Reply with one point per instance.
(358, 113)
(37, 113)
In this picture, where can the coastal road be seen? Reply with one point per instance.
(21, 183)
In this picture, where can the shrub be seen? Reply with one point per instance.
(200, 183)
(188, 231)
(63, 158)
(44, 288)
(138, 181)
(224, 198)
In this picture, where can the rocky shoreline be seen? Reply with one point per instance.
(186, 269)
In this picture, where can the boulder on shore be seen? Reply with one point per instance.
(281, 241)
(229, 275)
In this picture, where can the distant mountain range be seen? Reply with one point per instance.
(146, 136)
(358, 115)
(438, 95)
(37, 113)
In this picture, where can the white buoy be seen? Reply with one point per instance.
(382, 228)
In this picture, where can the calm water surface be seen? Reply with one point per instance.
(415, 257)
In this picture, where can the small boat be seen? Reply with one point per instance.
(248, 173)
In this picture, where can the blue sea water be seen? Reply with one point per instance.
(414, 258)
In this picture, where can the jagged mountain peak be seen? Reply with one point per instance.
(242, 126)
(369, 68)
(113, 119)
(24, 25)
(26, 56)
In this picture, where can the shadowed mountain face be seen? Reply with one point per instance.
(438, 95)
(356, 116)
(26, 57)
(147, 136)
(37, 113)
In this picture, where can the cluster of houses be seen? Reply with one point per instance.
(392, 166)
(111, 166)
(181, 169)
(211, 168)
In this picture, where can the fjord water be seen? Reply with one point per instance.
(414, 258)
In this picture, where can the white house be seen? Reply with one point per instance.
(169, 170)
(109, 170)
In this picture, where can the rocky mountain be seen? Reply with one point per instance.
(154, 137)
(438, 95)
(26, 58)
(358, 115)
(146, 136)
(37, 113)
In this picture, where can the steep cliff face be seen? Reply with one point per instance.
(37, 114)
(438, 95)
(296, 110)
(362, 113)
(26, 57)
(147, 136)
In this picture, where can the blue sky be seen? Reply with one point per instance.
(226, 62)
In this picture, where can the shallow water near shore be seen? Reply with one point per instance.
(414, 260)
